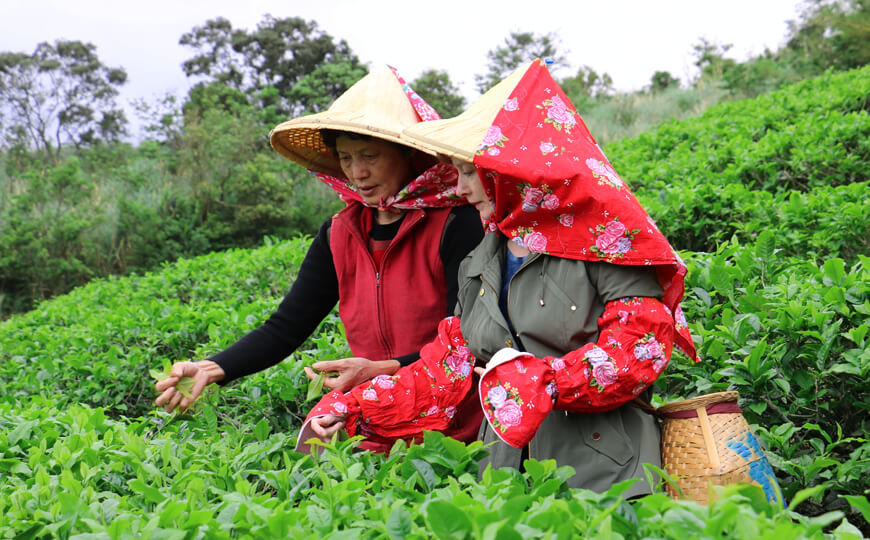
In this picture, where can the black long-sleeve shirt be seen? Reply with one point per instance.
(315, 292)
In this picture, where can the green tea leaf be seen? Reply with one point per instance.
(447, 520)
(861, 503)
(315, 387)
(835, 271)
(805, 494)
(261, 430)
(184, 386)
(765, 245)
(427, 473)
(158, 375)
(399, 522)
(719, 276)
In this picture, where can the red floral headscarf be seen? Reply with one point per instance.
(434, 188)
(555, 192)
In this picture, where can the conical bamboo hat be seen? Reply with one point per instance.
(376, 106)
(460, 136)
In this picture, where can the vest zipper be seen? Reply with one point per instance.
(414, 219)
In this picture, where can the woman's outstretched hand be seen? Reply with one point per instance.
(203, 373)
(351, 371)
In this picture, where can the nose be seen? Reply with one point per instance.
(359, 169)
(463, 187)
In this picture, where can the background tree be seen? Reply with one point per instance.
(439, 91)
(662, 80)
(586, 85)
(278, 54)
(517, 48)
(829, 33)
(61, 94)
(162, 119)
(710, 59)
(215, 57)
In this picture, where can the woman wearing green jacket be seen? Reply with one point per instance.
(568, 309)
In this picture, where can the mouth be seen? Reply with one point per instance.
(366, 190)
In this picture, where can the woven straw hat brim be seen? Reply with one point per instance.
(460, 137)
(376, 106)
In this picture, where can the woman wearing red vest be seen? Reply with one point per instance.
(389, 259)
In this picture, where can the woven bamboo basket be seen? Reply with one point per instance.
(707, 442)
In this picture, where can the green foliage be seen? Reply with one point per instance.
(213, 184)
(44, 235)
(710, 59)
(623, 116)
(662, 80)
(586, 84)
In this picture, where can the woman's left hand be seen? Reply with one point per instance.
(326, 426)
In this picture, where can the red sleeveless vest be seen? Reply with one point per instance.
(394, 309)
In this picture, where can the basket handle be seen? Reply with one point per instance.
(708, 437)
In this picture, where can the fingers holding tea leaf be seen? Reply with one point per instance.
(180, 384)
(315, 387)
(185, 385)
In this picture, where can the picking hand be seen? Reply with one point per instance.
(203, 373)
(351, 371)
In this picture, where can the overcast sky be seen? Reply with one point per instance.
(629, 40)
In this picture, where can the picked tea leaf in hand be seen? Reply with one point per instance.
(315, 387)
(184, 386)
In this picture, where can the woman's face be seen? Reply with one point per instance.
(470, 187)
(377, 168)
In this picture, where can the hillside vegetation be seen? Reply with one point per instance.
(766, 198)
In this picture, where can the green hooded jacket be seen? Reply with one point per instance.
(554, 305)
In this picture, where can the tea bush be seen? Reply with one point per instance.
(703, 179)
(73, 472)
(96, 344)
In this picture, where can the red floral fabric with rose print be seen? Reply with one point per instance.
(434, 188)
(633, 349)
(555, 192)
(422, 396)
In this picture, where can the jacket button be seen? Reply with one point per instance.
(542, 302)
(596, 436)
(481, 291)
(573, 308)
(509, 342)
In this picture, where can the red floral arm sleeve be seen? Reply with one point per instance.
(634, 346)
(424, 395)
